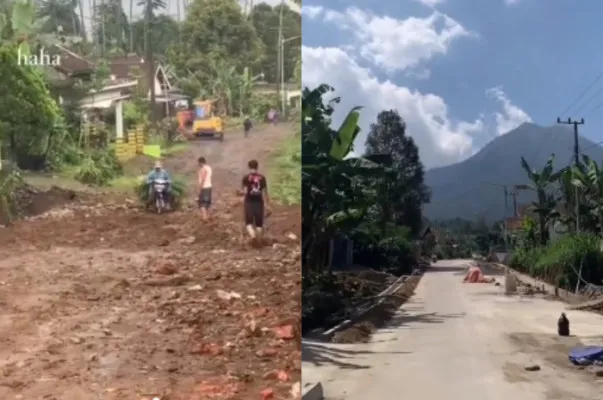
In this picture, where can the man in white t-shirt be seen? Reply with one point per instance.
(204, 176)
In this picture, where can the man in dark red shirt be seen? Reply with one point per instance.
(256, 201)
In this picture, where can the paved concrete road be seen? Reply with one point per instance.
(455, 340)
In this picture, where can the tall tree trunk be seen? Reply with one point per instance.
(103, 33)
(94, 25)
(542, 224)
(74, 21)
(131, 18)
(82, 21)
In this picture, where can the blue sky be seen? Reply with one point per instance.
(459, 72)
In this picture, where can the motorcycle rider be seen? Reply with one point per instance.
(159, 173)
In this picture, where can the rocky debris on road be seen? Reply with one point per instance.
(532, 368)
(527, 289)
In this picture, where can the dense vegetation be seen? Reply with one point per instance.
(374, 200)
(560, 239)
(210, 49)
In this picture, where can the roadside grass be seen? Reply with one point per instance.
(125, 182)
(284, 171)
(174, 149)
(168, 149)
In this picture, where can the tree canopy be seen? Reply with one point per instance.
(407, 192)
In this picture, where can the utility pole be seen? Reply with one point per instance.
(149, 59)
(513, 194)
(576, 161)
(504, 224)
(506, 227)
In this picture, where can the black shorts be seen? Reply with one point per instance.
(205, 198)
(254, 213)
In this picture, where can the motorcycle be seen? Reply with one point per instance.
(159, 188)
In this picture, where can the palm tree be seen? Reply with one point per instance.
(115, 28)
(540, 185)
(60, 13)
(154, 4)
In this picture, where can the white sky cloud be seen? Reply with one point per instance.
(511, 2)
(312, 12)
(431, 3)
(402, 45)
(441, 140)
(395, 44)
(511, 115)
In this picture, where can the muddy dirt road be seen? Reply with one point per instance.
(99, 300)
(455, 340)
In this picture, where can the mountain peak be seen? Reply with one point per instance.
(528, 125)
(474, 186)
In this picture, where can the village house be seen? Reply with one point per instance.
(125, 74)
(515, 223)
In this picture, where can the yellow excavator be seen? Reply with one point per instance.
(201, 121)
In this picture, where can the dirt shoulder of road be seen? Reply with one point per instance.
(349, 292)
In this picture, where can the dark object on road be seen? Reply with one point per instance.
(563, 325)
(534, 367)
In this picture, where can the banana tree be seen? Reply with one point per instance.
(541, 182)
(589, 180)
(338, 191)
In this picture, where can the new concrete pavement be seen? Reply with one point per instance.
(455, 340)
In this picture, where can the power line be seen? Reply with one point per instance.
(593, 83)
(591, 98)
(595, 109)
(576, 160)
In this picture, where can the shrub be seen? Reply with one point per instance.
(98, 167)
(562, 260)
(10, 182)
(322, 295)
(394, 254)
(524, 259)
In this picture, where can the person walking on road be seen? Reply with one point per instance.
(256, 201)
(247, 126)
(204, 176)
(272, 116)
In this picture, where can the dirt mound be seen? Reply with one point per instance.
(30, 201)
(35, 202)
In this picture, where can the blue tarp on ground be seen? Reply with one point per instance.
(586, 355)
